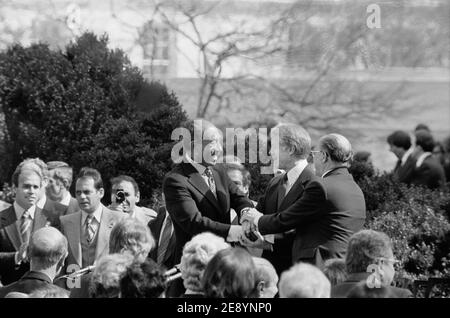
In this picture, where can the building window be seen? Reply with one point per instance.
(155, 40)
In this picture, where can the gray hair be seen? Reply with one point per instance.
(47, 247)
(295, 138)
(364, 247)
(131, 235)
(196, 255)
(337, 147)
(304, 281)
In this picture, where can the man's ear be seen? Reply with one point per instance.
(138, 197)
(66, 183)
(101, 192)
(260, 287)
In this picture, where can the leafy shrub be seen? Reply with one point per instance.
(87, 106)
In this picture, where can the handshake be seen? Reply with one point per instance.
(249, 221)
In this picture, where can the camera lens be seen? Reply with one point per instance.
(120, 196)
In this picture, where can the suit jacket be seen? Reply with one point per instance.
(343, 289)
(29, 283)
(328, 212)
(10, 241)
(71, 228)
(281, 256)
(67, 209)
(194, 208)
(156, 227)
(430, 174)
(404, 173)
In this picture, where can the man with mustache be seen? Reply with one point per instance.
(20, 220)
(88, 230)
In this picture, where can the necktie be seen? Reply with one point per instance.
(164, 240)
(90, 228)
(25, 226)
(282, 188)
(211, 183)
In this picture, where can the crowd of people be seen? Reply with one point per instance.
(304, 238)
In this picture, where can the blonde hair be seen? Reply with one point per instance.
(196, 255)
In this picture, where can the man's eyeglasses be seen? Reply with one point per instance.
(314, 152)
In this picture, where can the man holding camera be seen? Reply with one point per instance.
(124, 197)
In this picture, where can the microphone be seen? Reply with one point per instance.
(78, 273)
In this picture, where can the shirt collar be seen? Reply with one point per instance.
(406, 155)
(40, 204)
(19, 210)
(421, 158)
(200, 168)
(66, 200)
(296, 171)
(97, 214)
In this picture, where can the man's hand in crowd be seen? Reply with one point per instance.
(116, 207)
(22, 255)
(252, 216)
(235, 233)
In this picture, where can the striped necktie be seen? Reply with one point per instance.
(211, 182)
(91, 228)
(25, 226)
(164, 241)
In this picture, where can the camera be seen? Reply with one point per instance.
(251, 236)
(120, 196)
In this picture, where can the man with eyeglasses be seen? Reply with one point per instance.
(328, 211)
(370, 261)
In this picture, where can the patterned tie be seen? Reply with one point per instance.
(211, 182)
(25, 226)
(91, 228)
(164, 241)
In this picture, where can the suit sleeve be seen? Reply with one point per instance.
(7, 262)
(183, 210)
(307, 208)
(238, 200)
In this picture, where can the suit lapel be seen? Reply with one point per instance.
(73, 232)
(197, 181)
(104, 231)
(221, 192)
(10, 219)
(40, 220)
(297, 189)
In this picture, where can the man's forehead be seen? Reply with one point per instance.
(125, 185)
(29, 176)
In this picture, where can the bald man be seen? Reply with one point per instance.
(47, 252)
(329, 211)
(266, 278)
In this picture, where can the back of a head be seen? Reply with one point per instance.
(422, 127)
(337, 146)
(265, 271)
(131, 235)
(335, 270)
(425, 140)
(196, 255)
(361, 156)
(362, 290)
(364, 247)
(230, 274)
(304, 280)
(295, 138)
(47, 248)
(143, 280)
(105, 279)
(266, 275)
(400, 138)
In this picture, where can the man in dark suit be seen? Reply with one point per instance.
(400, 145)
(428, 171)
(327, 212)
(198, 198)
(88, 230)
(60, 176)
(369, 259)
(164, 235)
(20, 220)
(47, 253)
